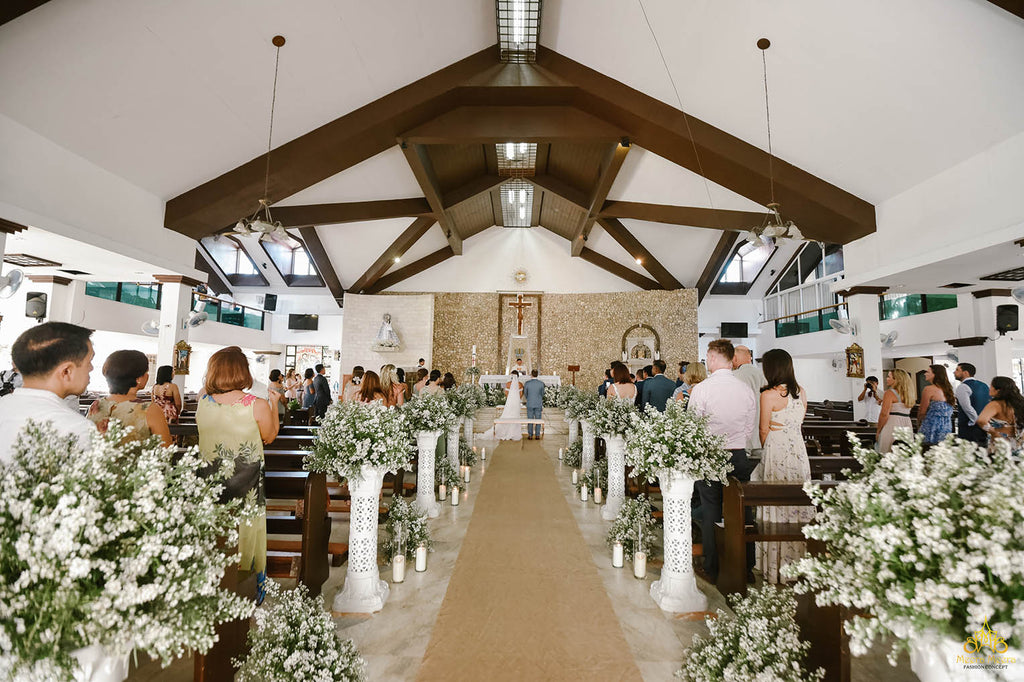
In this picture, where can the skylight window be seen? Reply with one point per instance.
(231, 257)
(518, 30)
(293, 262)
(517, 203)
(517, 159)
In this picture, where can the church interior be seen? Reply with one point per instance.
(550, 186)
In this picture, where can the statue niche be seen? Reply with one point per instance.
(641, 346)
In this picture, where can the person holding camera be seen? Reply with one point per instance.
(873, 401)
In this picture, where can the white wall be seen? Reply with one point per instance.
(328, 334)
(714, 310)
(412, 318)
(821, 380)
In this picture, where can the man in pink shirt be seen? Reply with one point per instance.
(731, 407)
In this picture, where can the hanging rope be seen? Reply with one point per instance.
(270, 136)
(768, 118)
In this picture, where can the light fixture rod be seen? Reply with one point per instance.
(764, 44)
(278, 41)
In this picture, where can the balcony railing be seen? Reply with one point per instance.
(894, 306)
(132, 293)
(229, 312)
(808, 321)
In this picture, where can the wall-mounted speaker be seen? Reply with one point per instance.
(1007, 318)
(35, 305)
(270, 302)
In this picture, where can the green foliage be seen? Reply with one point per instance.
(405, 530)
(573, 455)
(635, 521)
(467, 455)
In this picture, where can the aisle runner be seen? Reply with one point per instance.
(525, 601)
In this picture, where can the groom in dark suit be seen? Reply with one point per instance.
(533, 391)
(321, 392)
(658, 388)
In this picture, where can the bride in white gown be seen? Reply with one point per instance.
(513, 410)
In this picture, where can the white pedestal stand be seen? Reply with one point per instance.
(616, 449)
(677, 591)
(574, 430)
(426, 441)
(588, 446)
(468, 431)
(98, 666)
(364, 591)
(453, 445)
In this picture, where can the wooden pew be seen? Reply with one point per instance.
(303, 558)
(215, 665)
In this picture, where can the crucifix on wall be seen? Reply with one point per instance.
(519, 304)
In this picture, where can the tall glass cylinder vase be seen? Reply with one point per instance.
(468, 431)
(453, 446)
(616, 449)
(364, 591)
(588, 446)
(426, 442)
(574, 430)
(96, 665)
(677, 591)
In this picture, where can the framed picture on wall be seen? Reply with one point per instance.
(182, 355)
(855, 362)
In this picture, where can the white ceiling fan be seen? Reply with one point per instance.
(1018, 294)
(11, 282)
(889, 340)
(151, 328)
(843, 326)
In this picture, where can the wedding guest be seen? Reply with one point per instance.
(448, 382)
(321, 391)
(729, 405)
(899, 394)
(695, 373)
(658, 388)
(744, 369)
(55, 359)
(783, 406)
(308, 392)
(276, 388)
(401, 375)
(681, 380)
(352, 387)
(127, 371)
(533, 392)
(433, 386)
(621, 388)
(641, 376)
(871, 399)
(234, 424)
(394, 391)
(166, 395)
(370, 389)
(936, 410)
(602, 390)
(292, 384)
(971, 398)
(422, 377)
(1003, 416)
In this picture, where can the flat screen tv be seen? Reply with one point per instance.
(734, 330)
(308, 323)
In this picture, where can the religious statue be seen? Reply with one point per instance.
(386, 339)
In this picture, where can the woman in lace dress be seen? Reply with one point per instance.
(512, 410)
(899, 396)
(621, 387)
(783, 406)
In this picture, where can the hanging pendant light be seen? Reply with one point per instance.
(261, 222)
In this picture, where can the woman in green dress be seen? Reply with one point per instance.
(234, 425)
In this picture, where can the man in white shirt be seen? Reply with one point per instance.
(55, 360)
(731, 407)
(744, 369)
(872, 401)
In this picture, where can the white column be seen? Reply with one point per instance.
(616, 449)
(677, 591)
(426, 441)
(588, 446)
(863, 309)
(364, 591)
(574, 430)
(468, 431)
(453, 446)
(175, 306)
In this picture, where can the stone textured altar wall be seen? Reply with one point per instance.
(461, 320)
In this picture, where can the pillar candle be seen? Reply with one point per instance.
(455, 496)
(465, 472)
(583, 493)
(559, 454)
(575, 476)
(640, 565)
(442, 491)
(421, 559)
(398, 568)
(597, 495)
(617, 555)
(483, 453)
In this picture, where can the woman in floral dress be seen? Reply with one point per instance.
(783, 406)
(127, 371)
(234, 425)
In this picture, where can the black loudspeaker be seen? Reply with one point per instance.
(35, 305)
(270, 302)
(1007, 318)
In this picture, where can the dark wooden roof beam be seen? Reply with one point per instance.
(414, 268)
(609, 171)
(323, 264)
(496, 124)
(618, 269)
(471, 190)
(639, 252)
(716, 219)
(715, 264)
(423, 170)
(397, 249)
(555, 185)
(350, 212)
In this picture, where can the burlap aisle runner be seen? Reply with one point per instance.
(525, 601)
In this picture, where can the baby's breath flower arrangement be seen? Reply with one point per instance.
(573, 455)
(494, 395)
(472, 398)
(458, 403)
(429, 412)
(761, 641)
(295, 641)
(467, 455)
(553, 396)
(923, 542)
(406, 530)
(353, 435)
(578, 404)
(114, 544)
(612, 417)
(676, 440)
(597, 474)
(444, 471)
(634, 522)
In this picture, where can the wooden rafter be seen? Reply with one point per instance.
(397, 249)
(414, 268)
(213, 277)
(471, 190)
(716, 219)
(350, 212)
(496, 124)
(1012, 6)
(556, 185)
(423, 170)
(322, 261)
(637, 250)
(618, 269)
(12, 9)
(609, 171)
(715, 264)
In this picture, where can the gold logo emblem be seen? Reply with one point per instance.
(986, 637)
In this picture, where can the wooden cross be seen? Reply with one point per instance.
(519, 305)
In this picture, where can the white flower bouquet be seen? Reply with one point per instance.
(429, 412)
(473, 396)
(676, 439)
(553, 396)
(494, 395)
(613, 417)
(467, 455)
(353, 435)
(573, 455)
(114, 544)
(295, 640)
(444, 471)
(760, 642)
(578, 403)
(406, 529)
(594, 477)
(922, 541)
(634, 527)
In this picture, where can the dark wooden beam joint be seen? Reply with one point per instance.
(423, 170)
(178, 279)
(639, 253)
(989, 293)
(10, 227)
(853, 291)
(967, 341)
(323, 264)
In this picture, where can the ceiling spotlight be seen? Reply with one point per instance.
(398, 259)
(639, 261)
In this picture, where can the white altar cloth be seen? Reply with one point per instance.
(502, 379)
